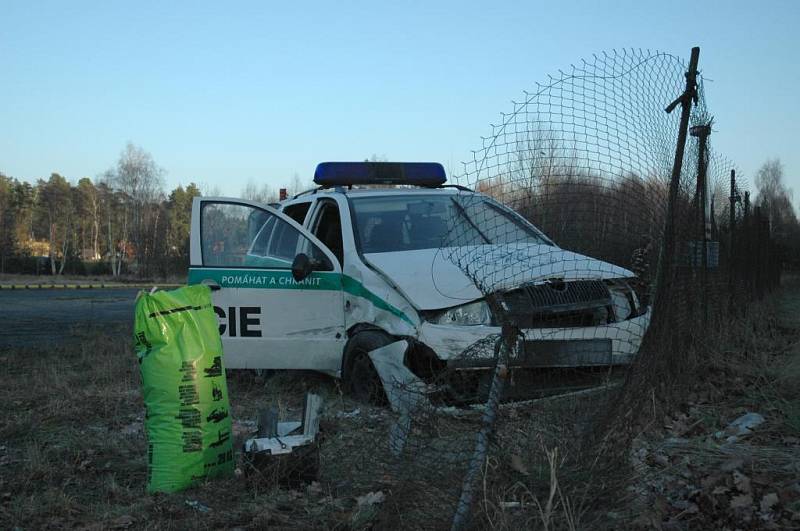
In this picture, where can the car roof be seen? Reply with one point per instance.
(374, 192)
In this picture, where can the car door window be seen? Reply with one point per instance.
(263, 237)
(328, 229)
(297, 211)
(238, 235)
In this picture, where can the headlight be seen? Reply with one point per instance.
(624, 300)
(474, 313)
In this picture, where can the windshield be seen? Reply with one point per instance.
(410, 222)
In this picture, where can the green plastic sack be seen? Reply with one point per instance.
(188, 419)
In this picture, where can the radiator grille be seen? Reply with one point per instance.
(565, 304)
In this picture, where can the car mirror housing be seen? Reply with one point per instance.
(301, 267)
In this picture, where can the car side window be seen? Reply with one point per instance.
(238, 235)
(261, 242)
(284, 243)
(328, 228)
(298, 211)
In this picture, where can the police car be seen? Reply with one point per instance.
(320, 280)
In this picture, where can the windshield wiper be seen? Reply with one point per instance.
(463, 212)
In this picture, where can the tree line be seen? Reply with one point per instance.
(606, 217)
(121, 223)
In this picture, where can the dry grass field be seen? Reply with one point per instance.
(73, 449)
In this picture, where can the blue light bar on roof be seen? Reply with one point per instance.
(348, 173)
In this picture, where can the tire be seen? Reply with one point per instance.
(361, 379)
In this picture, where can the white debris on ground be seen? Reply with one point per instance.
(196, 505)
(741, 427)
(349, 414)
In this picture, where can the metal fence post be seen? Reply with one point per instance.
(689, 95)
(767, 255)
(746, 206)
(733, 198)
(747, 269)
(702, 132)
(505, 346)
(732, 270)
(756, 232)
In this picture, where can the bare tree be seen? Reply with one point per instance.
(139, 177)
(88, 201)
(265, 194)
(114, 211)
(296, 186)
(775, 199)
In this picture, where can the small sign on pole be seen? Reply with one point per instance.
(695, 254)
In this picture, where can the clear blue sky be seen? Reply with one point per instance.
(225, 92)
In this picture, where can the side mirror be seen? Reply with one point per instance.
(301, 267)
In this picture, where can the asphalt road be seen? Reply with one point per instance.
(31, 318)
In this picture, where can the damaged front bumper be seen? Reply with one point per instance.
(595, 346)
(459, 358)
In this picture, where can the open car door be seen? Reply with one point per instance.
(267, 319)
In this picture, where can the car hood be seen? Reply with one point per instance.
(433, 279)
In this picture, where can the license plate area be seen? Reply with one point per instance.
(566, 353)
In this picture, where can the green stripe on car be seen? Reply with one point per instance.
(243, 278)
(319, 280)
(357, 289)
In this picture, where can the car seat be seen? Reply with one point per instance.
(385, 237)
(428, 232)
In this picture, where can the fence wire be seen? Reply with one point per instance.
(597, 304)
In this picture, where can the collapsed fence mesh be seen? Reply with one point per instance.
(588, 313)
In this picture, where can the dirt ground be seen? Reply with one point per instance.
(73, 449)
(696, 468)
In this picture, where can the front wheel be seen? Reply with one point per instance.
(361, 378)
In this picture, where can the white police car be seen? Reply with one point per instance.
(318, 281)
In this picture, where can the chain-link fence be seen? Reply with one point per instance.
(640, 238)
